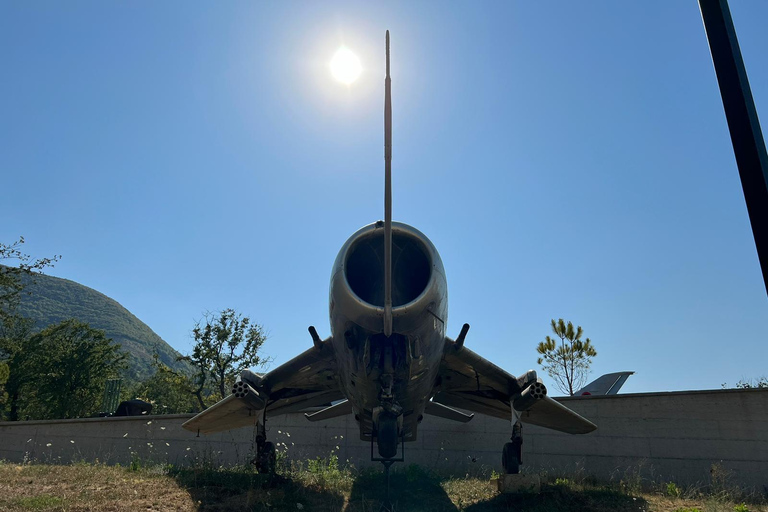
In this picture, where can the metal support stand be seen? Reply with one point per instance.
(386, 505)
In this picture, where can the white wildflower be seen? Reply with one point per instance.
(125, 435)
(49, 444)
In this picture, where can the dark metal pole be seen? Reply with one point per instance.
(746, 136)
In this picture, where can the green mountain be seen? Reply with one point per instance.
(48, 300)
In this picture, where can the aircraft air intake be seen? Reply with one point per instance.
(411, 268)
(419, 291)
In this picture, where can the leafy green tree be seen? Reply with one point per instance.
(226, 343)
(71, 363)
(4, 374)
(169, 391)
(568, 360)
(15, 332)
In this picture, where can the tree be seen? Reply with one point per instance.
(568, 361)
(169, 391)
(4, 374)
(226, 343)
(71, 363)
(15, 353)
(14, 330)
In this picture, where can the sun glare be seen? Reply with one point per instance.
(345, 66)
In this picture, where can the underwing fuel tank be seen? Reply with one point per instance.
(419, 287)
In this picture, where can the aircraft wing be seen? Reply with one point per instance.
(307, 380)
(471, 382)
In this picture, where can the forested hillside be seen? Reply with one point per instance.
(49, 300)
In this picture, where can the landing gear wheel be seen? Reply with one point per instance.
(267, 458)
(510, 458)
(386, 435)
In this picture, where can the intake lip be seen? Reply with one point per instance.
(411, 267)
(357, 281)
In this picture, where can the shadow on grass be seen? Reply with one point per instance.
(244, 489)
(411, 489)
(554, 498)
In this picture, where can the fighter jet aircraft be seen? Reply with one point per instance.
(388, 360)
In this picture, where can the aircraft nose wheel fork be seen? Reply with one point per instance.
(512, 454)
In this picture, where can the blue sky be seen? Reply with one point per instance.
(567, 160)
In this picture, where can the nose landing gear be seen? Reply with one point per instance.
(386, 430)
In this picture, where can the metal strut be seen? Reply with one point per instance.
(386, 505)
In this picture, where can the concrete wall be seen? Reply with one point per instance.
(663, 436)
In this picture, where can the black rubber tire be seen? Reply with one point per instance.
(509, 459)
(267, 459)
(386, 436)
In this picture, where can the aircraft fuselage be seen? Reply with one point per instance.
(410, 358)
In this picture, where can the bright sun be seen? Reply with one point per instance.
(345, 66)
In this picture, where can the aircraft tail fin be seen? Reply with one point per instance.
(387, 199)
(608, 384)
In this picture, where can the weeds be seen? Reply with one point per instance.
(673, 491)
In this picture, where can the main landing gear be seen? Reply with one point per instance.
(512, 455)
(266, 456)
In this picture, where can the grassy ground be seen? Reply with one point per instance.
(323, 486)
